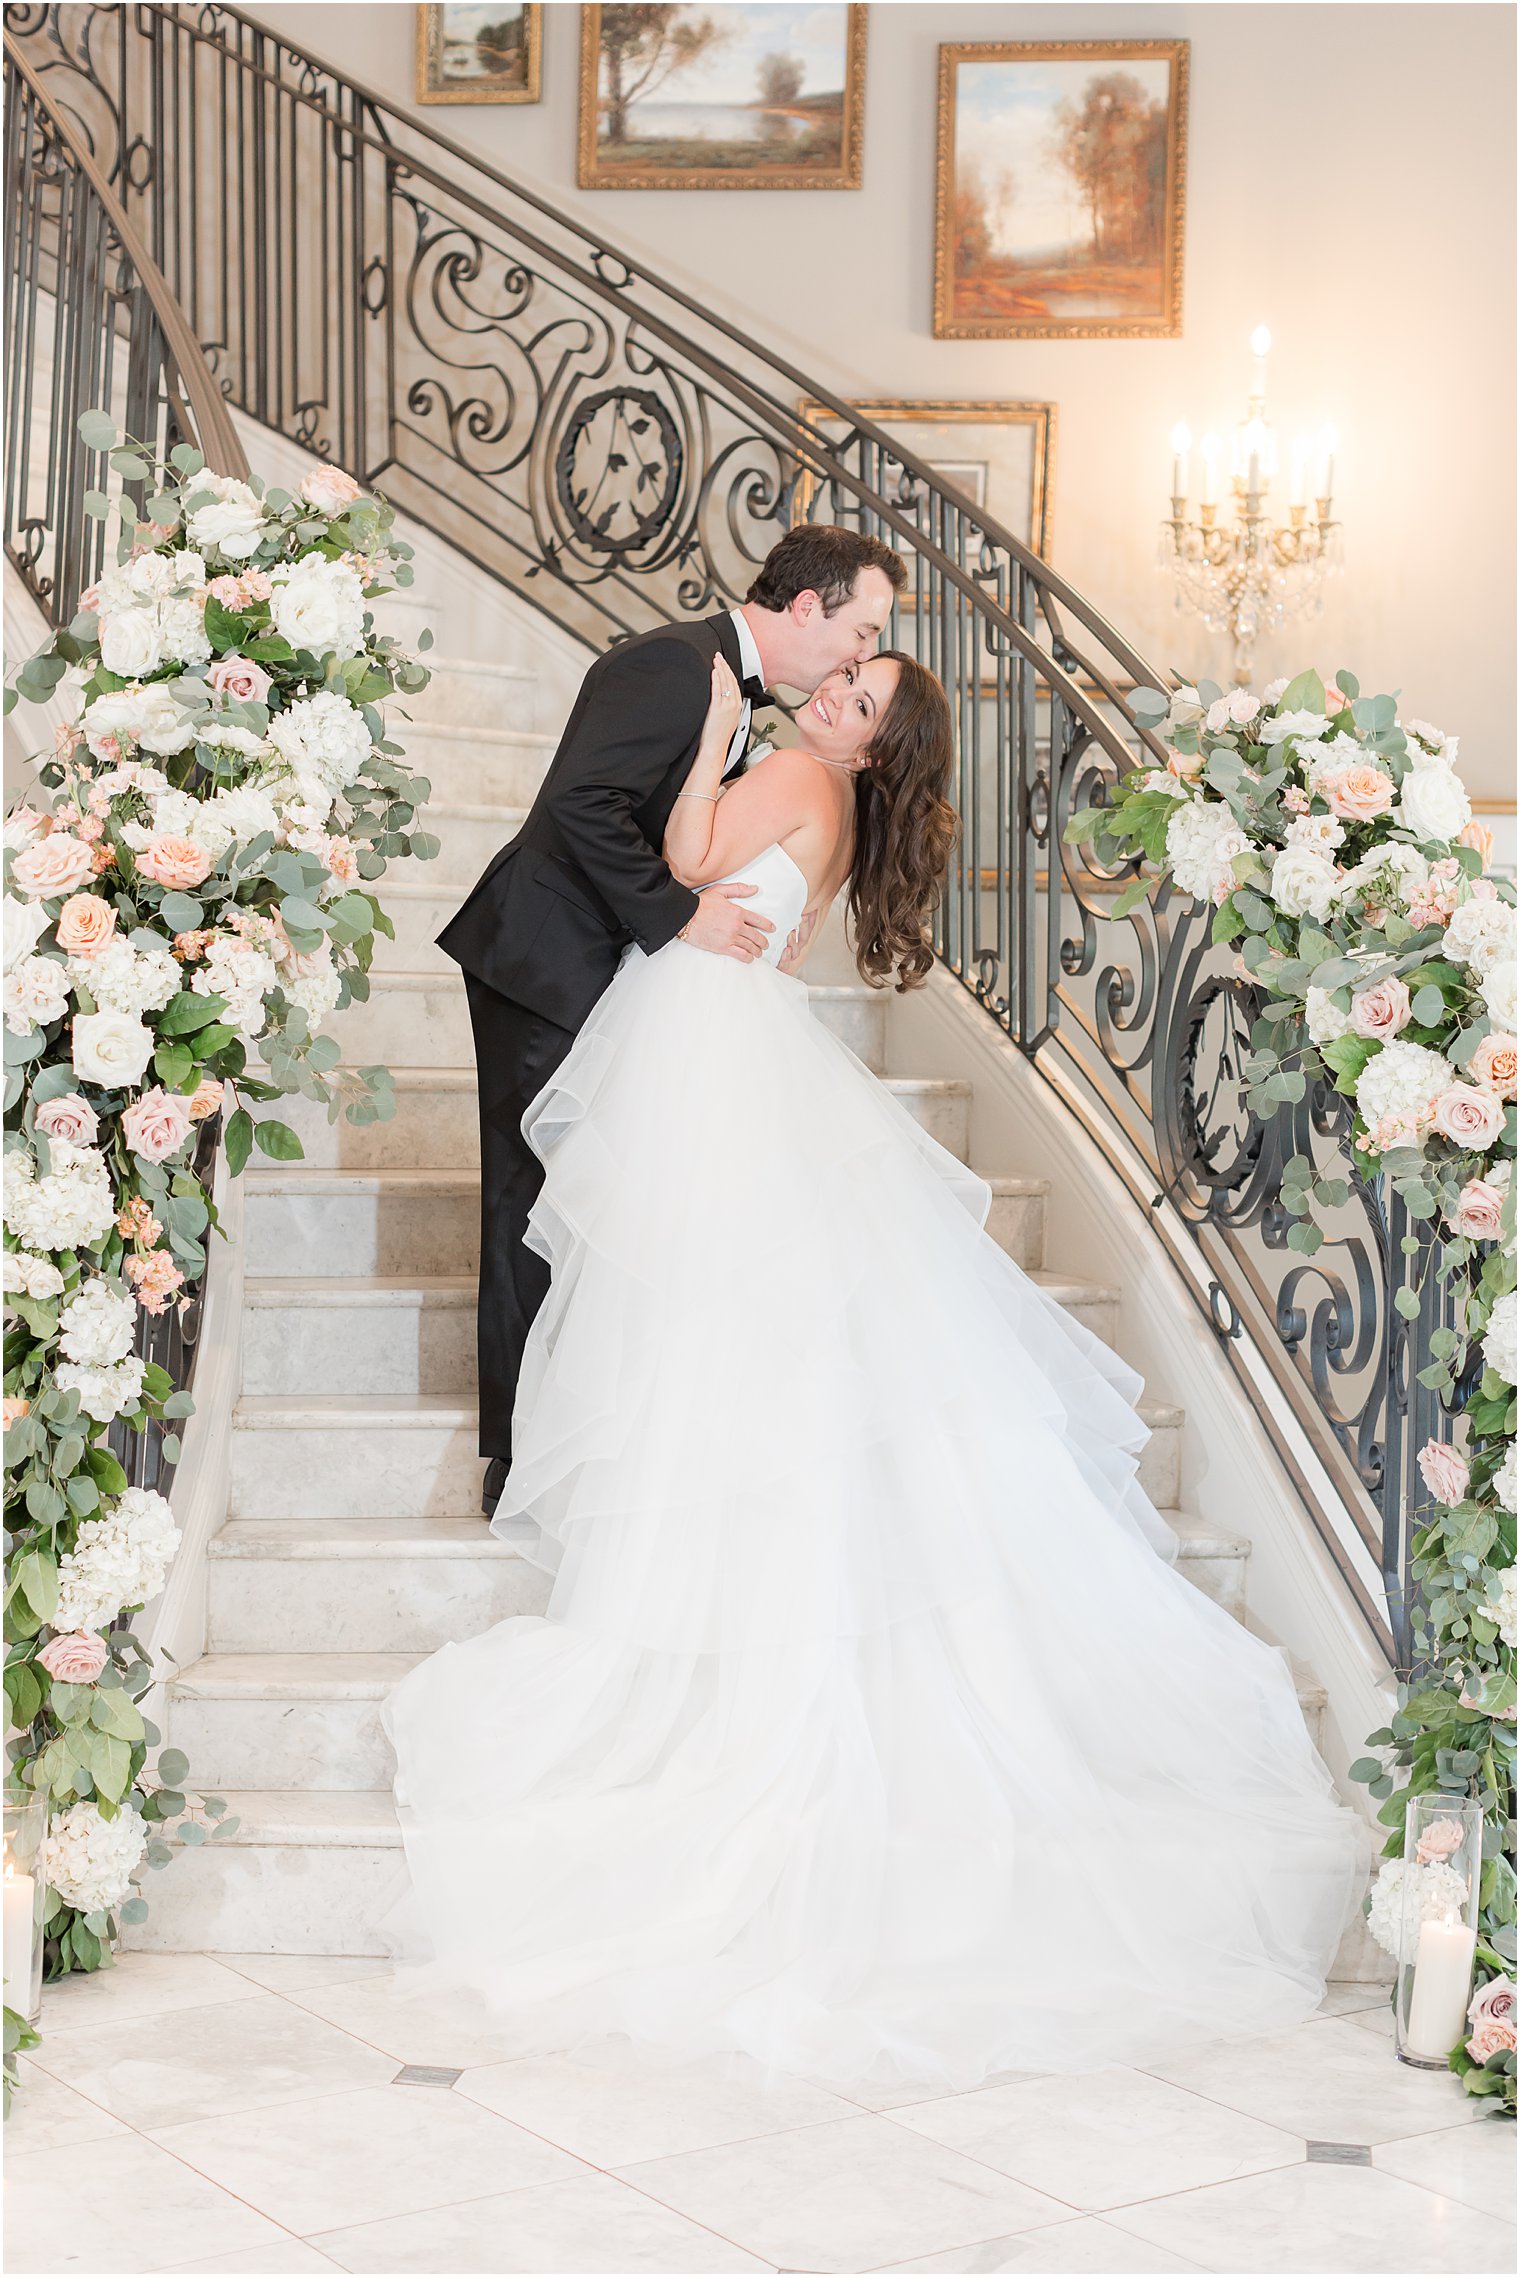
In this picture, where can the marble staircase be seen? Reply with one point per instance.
(353, 1542)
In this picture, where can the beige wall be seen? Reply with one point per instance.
(1350, 183)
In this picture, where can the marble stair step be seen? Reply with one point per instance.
(469, 833)
(436, 1122)
(464, 690)
(286, 1719)
(363, 1585)
(491, 765)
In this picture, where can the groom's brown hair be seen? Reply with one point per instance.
(819, 557)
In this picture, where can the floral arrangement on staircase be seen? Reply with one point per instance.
(197, 891)
(1337, 846)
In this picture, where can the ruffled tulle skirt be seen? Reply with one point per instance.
(869, 1732)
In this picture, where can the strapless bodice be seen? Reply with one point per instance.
(781, 894)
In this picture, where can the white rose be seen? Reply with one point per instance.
(1303, 882)
(36, 994)
(1324, 1018)
(150, 716)
(189, 569)
(98, 1324)
(25, 924)
(1305, 725)
(1499, 1338)
(23, 827)
(319, 605)
(104, 1393)
(1481, 934)
(1432, 803)
(1243, 706)
(151, 576)
(232, 520)
(30, 1276)
(110, 1049)
(1499, 998)
(130, 644)
(1504, 1488)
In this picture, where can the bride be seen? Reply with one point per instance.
(870, 1731)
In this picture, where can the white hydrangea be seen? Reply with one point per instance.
(121, 1558)
(147, 716)
(325, 741)
(316, 992)
(104, 1393)
(318, 604)
(182, 630)
(1503, 1608)
(1324, 1018)
(1442, 1892)
(128, 980)
(1401, 1079)
(236, 969)
(89, 1859)
(231, 521)
(1432, 802)
(226, 735)
(1481, 935)
(1499, 1339)
(240, 812)
(1321, 831)
(1303, 881)
(98, 1324)
(36, 993)
(1504, 1484)
(1202, 838)
(1392, 871)
(29, 1276)
(72, 1208)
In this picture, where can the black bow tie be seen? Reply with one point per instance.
(755, 692)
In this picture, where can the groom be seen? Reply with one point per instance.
(544, 929)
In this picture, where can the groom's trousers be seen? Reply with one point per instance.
(516, 1052)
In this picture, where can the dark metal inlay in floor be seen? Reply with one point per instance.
(426, 2075)
(1340, 2154)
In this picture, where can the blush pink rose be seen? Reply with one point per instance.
(1442, 1839)
(240, 678)
(69, 1116)
(329, 489)
(205, 1098)
(1444, 1472)
(157, 1123)
(1469, 1117)
(1380, 1011)
(175, 862)
(1490, 2038)
(1357, 793)
(1495, 1999)
(1493, 1064)
(85, 924)
(1478, 835)
(76, 1658)
(1480, 1210)
(54, 865)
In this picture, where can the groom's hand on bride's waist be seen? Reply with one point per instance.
(722, 924)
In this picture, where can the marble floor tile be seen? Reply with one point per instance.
(435, 2028)
(1378, 2020)
(293, 2259)
(45, 2115)
(139, 1984)
(1082, 2248)
(1105, 2138)
(1474, 2165)
(1324, 2221)
(342, 2159)
(126, 2206)
(304, 1972)
(845, 2196)
(591, 2224)
(1327, 2079)
(616, 2116)
(1350, 1996)
(898, 2098)
(197, 2063)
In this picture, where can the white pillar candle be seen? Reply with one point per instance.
(1330, 443)
(20, 1903)
(1442, 1981)
(1181, 444)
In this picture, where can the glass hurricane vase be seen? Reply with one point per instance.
(1443, 1863)
(25, 1828)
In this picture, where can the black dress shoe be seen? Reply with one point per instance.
(495, 1479)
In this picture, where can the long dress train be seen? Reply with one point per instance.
(869, 1731)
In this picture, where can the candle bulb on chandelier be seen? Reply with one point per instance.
(1330, 443)
(1210, 470)
(1261, 341)
(1181, 444)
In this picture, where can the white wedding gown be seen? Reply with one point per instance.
(866, 1734)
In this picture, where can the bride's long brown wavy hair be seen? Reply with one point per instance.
(904, 829)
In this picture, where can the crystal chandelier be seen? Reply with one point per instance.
(1250, 574)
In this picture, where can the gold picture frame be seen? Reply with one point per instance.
(838, 133)
(518, 84)
(1028, 517)
(986, 292)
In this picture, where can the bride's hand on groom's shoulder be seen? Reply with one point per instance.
(725, 704)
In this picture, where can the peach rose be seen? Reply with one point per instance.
(54, 865)
(175, 862)
(206, 1098)
(1479, 835)
(240, 678)
(68, 1116)
(157, 1123)
(1493, 1064)
(1357, 793)
(15, 1407)
(85, 924)
(1444, 1472)
(1480, 1208)
(1380, 1011)
(1469, 1117)
(329, 489)
(76, 1658)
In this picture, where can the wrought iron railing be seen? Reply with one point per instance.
(90, 323)
(617, 455)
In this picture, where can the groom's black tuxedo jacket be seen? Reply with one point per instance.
(549, 918)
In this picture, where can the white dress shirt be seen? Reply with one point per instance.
(749, 668)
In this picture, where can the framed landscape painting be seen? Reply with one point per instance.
(999, 455)
(1059, 190)
(722, 97)
(486, 51)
